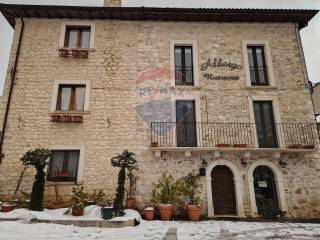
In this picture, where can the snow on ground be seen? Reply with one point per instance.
(153, 230)
(90, 213)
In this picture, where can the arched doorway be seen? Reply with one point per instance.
(265, 189)
(223, 191)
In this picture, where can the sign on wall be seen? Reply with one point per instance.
(219, 63)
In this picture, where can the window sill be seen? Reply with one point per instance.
(51, 183)
(69, 112)
(85, 49)
(261, 87)
(188, 87)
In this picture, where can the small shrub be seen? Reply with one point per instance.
(165, 191)
(132, 179)
(78, 198)
(125, 161)
(268, 210)
(39, 159)
(188, 187)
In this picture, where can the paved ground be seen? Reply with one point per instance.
(158, 230)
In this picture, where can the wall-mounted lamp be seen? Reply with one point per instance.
(282, 163)
(202, 171)
(243, 163)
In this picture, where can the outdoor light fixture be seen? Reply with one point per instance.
(202, 171)
(243, 163)
(282, 163)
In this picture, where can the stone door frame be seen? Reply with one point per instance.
(237, 187)
(278, 178)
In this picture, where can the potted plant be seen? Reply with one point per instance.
(240, 145)
(9, 205)
(107, 208)
(78, 200)
(154, 144)
(126, 162)
(62, 174)
(96, 197)
(188, 187)
(165, 194)
(223, 145)
(131, 188)
(148, 213)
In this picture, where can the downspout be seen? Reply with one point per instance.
(307, 84)
(13, 77)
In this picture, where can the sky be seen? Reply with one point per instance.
(310, 35)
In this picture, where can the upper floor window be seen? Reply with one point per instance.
(71, 98)
(63, 166)
(77, 37)
(183, 60)
(257, 66)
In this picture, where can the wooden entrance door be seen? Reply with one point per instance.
(223, 195)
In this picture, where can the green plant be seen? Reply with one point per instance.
(125, 161)
(132, 179)
(78, 198)
(267, 209)
(38, 159)
(165, 191)
(96, 196)
(188, 187)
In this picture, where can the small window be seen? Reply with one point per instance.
(183, 60)
(257, 65)
(71, 98)
(77, 37)
(63, 166)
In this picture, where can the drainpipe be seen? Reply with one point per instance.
(308, 83)
(13, 77)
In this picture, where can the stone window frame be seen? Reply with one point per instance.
(82, 150)
(268, 56)
(196, 99)
(276, 115)
(194, 44)
(66, 24)
(55, 93)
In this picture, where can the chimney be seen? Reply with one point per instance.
(112, 3)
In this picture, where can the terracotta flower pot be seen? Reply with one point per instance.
(154, 144)
(77, 211)
(7, 208)
(240, 145)
(131, 203)
(148, 214)
(165, 211)
(295, 146)
(193, 212)
(223, 145)
(309, 147)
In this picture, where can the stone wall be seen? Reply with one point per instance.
(129, 70)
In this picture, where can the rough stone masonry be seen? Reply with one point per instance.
(122, 106)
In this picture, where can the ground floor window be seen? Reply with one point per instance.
(63, 166)
(265, 189)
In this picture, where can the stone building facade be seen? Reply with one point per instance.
(127, 71)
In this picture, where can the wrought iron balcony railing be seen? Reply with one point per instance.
(237, 135)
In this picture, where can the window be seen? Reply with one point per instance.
(63, 166)
(77, 37)
(265, 124)
(257, 65)
(71, 98)
(183, 60)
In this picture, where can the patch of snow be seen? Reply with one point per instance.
(149, 208)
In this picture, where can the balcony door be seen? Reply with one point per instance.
(266, 128)
(186, 123)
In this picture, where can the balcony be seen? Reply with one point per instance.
(276, 137)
